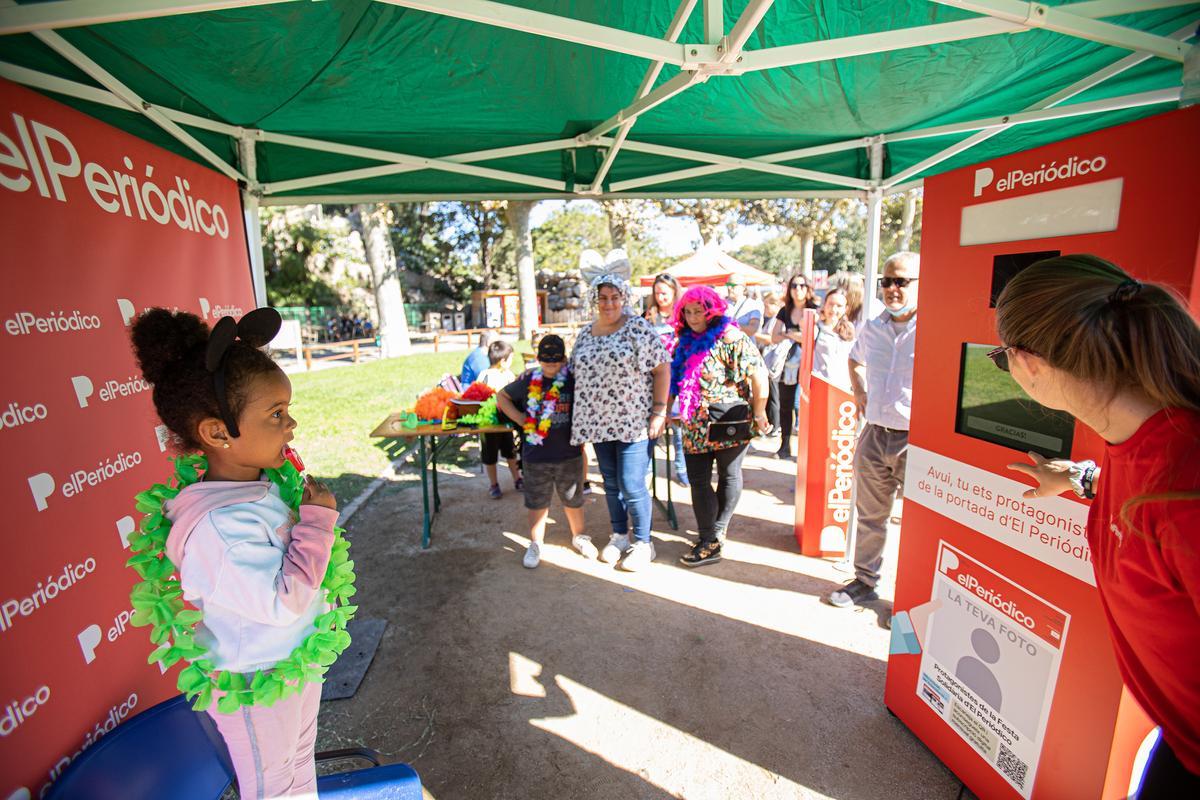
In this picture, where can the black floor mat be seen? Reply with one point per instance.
(347, 672)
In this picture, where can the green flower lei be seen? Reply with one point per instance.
(488, 414)
(157, 601)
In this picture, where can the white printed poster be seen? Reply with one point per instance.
(990, 663)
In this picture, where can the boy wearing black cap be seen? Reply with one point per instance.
(540, 403)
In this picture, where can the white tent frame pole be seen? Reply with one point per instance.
(750, 17)
(400, 168)
(76, 13)
(874, 223)
(729, 163)
(1082, 85)
(994, 125)
(714, 20)
(925, 35)
(248, 160)
(1060, 20)
(1043, 115)
(556, 27)
(415, 161)
(870, 303)
(745, 26)
(652, 72)
(134, 101)
(305, 200)
(713, 169)
(94, 94)
(680, 83)
(919, 183)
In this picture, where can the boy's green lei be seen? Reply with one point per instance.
(157, 601)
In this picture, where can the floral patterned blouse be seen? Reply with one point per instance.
(614, 390)
(725, 377)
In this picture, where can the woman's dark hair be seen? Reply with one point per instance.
(169, 348)
(789, 303)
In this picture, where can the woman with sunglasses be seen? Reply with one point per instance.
(1123, 357)
(797, 299)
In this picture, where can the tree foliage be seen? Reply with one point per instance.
(563, 235)
(715, 219)
(309, 259)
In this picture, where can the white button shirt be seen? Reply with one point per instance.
(886, 349)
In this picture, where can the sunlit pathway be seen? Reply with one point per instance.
(576, 680)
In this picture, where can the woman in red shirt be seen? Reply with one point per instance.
(1123, 357)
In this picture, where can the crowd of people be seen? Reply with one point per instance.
(1077, 333)
(710, 372)
(348, 326)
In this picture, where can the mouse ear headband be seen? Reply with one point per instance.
(612, 270)
(255, 329)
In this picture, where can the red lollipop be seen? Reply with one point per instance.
(293, 457)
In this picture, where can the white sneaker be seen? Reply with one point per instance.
(618, 543)
(585, 547)
(640, 554)
(533, 555)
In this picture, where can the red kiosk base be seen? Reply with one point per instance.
(1001, 660)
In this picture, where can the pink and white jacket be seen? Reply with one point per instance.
(254, 574)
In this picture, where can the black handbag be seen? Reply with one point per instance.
(729, 423)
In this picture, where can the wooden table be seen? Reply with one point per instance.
(427, 455)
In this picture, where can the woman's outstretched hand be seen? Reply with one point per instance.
(1053, 477)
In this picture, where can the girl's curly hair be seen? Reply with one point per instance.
(169, 347)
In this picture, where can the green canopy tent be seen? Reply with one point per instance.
(353, 100)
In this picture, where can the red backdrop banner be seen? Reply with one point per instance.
(100, 226)
(828, 432)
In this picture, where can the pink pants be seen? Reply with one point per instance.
(272, 748)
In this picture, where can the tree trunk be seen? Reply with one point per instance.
(710, 232)
(807, 239)
(904, 241)
(518, 220)
(389, 297)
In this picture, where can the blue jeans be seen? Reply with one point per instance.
(623, 466)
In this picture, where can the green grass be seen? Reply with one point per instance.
(338, 408)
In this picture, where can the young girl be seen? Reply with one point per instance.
(1122, 356)
(244, 560)
(835, 337)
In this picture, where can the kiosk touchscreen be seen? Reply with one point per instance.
(992, 407)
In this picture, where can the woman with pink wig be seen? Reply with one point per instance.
(720, 382)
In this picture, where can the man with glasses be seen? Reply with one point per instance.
(745, 310)
(881, 371)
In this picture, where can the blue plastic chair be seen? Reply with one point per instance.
(170, 751)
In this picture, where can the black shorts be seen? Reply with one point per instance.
(494, 444)
(542, 478)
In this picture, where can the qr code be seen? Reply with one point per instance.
(1013, 768)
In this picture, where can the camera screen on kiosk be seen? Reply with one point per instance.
(992, 407)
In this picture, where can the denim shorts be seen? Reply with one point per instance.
(543, 477)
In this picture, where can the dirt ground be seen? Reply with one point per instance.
(576, 680)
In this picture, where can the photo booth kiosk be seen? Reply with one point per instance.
(1000, 659)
